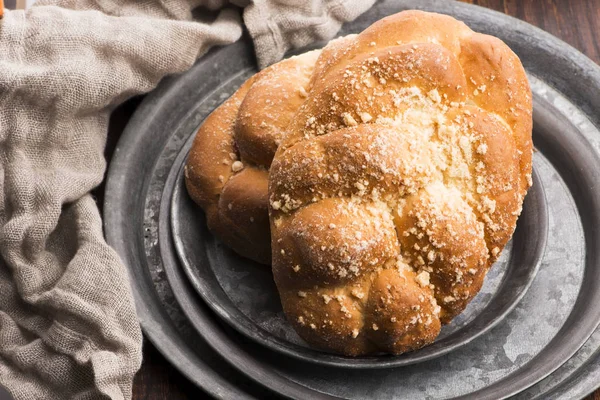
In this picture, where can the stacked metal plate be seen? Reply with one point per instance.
(530, 333)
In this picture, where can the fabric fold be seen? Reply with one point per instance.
(68, 326)
(279, 25)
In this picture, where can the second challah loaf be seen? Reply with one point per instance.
(227, 170)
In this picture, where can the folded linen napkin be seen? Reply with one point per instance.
(68, 327)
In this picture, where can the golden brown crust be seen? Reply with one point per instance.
(226, 171)
(399, 181)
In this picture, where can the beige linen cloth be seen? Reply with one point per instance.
(68, 328)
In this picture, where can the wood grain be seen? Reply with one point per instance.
(577, 22)
(158, 380)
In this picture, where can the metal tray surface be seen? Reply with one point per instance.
(539, 341)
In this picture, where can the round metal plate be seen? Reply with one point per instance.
(244, 295)
(554, 318)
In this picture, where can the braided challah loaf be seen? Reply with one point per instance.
(399, 181)
(227, 169)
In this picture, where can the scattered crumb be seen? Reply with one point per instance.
(237, 166)
(349, 120)
(423, 278)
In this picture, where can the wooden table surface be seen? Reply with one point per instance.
(577, 22)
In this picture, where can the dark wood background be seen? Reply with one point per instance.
(577, 22)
